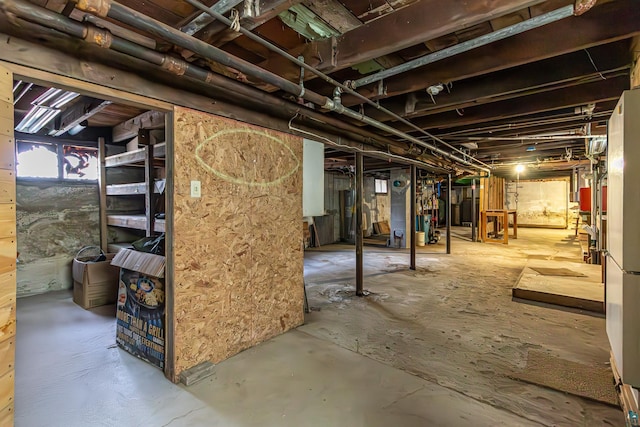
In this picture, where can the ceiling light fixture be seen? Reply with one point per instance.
(45, 108)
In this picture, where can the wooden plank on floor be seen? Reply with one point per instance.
(625, 393)
(562, 300)
(197, 373)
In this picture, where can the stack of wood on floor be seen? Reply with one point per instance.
(306, 234)
(625, 395)
(381, 228)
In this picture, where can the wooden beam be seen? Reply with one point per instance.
(419, 22)
(79, 112)
(545, 121)
(591, 29)
(149, 196)
(133, 157)
(335, 14)
(203, 19)
(102, 188)
(74, 65)
(567, 70)
(217, 33)
(137, 222)
(599, 91)
(130, 128)
(635, 71)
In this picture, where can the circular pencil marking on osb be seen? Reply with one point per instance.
(247, 157)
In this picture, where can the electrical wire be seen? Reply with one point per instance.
(327, 78)
(594, 65)
(349, 147)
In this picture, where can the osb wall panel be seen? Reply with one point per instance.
(238, 248)
(491, 193)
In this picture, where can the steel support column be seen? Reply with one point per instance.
(474, 221)
(412, 208)
(449, 213)
(359, 237)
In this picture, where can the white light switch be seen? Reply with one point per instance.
(195, 189)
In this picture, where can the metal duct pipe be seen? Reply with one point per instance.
(340, 87)
(50, 19)
(501, 34)
(119, 12)
(114, 10)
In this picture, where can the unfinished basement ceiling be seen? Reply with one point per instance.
(67, 109)
(530, 97)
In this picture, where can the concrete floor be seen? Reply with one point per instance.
(429, 347)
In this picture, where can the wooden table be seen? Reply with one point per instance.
(495, 214)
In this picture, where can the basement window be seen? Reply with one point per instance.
(80, 163)
(37, 160)
(40, 160)
(381, 186)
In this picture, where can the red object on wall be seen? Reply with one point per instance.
(585, 199)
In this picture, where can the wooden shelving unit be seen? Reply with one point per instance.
(151, 158)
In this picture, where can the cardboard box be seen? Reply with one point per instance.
(140, 303)
(94, 283)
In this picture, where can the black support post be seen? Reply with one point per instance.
(412, 221)
(359, 242)
(474, 221)
(449, 213)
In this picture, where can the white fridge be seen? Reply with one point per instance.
(623, 237)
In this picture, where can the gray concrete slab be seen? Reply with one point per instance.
(69, 373)
(432, 347)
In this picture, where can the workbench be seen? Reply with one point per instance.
(495, 215)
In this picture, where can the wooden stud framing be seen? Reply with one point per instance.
(149, 196)
(102, 182)
(7, 251)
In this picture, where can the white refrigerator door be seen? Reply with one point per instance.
(623, 321)
(623, 180)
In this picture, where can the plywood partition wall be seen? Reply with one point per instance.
(7, 249)
(238, 269)
(491, 193)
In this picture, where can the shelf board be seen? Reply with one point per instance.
(126, 189)
(131, 189)
(115, 247)
(137, 222)
(134, 157)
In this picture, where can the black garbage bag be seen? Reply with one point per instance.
(151, 245)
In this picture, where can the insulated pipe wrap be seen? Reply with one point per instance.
(96, 7)
(175, 65)
(98, 36)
